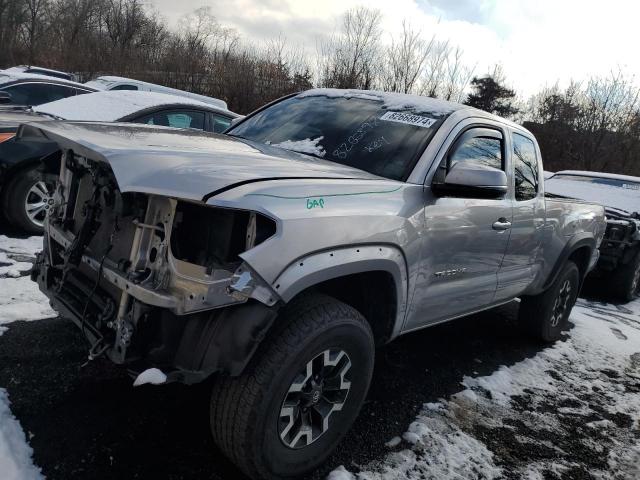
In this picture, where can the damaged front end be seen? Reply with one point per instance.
(151, 280)
(621, 240)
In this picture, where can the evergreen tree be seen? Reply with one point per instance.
(489, 95)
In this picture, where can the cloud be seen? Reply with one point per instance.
(538, 42)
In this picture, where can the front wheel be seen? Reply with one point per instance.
(27, 199)
(546, 315)
(300, 393)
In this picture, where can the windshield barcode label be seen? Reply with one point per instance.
(408, 119)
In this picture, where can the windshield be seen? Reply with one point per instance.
(355, 132)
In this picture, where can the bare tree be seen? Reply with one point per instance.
(405, 59)
(350, 57)
(34, 26)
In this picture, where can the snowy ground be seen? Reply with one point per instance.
(586, 387)
(20, 299)
(504, 407)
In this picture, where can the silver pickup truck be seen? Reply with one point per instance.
(276, 257)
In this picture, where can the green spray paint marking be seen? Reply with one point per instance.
(321, 196)
(315, 203)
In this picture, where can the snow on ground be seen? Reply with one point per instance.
(586, 388)
(15, 453)
(20, 299)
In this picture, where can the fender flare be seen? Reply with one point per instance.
(334, 263)
(577, 241)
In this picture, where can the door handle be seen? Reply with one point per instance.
(501, 224)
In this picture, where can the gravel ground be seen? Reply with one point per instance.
(86, 420)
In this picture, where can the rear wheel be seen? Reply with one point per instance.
(624, 282)
(546, 315)
(27, 199)
(301, 392)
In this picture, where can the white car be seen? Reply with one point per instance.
(121, 83)
(42, 71)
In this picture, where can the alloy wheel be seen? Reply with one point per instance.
(561, 304)
(318, 390)
(37, 203)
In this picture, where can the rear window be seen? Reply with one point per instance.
(351, 131)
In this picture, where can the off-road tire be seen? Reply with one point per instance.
(545, 316)
(14, 197)
(245, 410)
(624, 281)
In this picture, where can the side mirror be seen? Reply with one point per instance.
(235, 121)
(473, 181)
(5, 98)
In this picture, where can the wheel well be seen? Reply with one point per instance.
(373, 294)
(581, 257)
(21, 167)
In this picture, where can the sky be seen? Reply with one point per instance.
(537, 42)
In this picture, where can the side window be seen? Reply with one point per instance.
(79, 91)
(38, 93)
(525, 164)
(220, 123)
(186, 120)
(124, 87)
(174, 118)
(478, 146)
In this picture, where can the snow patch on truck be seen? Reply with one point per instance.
(391, 101)
(308, 145)
(153, 376)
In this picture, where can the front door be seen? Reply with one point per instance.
(464, 240)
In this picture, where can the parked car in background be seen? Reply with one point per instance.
(41, 71)
(25, 194)
(618, 270)
(121, 83)
(18, 88)
(278, 255)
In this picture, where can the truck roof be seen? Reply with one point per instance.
(403, 101)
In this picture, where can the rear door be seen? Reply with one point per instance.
(524, 254)
(464, 239)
